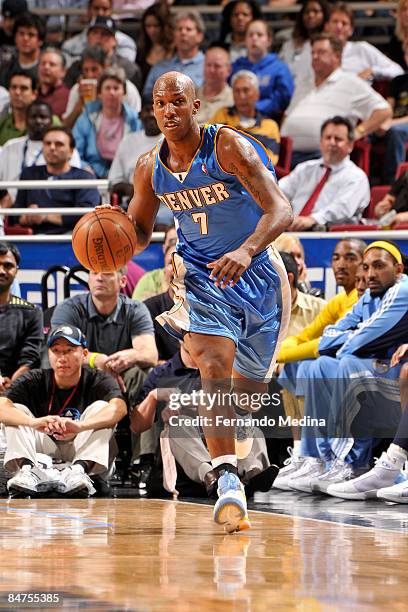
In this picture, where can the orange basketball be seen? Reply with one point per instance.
(104, 240)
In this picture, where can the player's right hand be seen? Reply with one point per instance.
(228, 269)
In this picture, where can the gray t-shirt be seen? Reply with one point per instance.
(105, 334)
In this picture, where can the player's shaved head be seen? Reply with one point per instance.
(175, 81)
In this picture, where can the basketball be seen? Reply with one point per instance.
(104, 240)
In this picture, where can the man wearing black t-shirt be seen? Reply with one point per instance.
(67, 413)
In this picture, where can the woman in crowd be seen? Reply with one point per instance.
(155, 41)
(104, 122)
(309, 21)
(236, 16)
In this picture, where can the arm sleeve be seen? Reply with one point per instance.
(141, 322)
(334, 336)
(66, 314)
(279, 94)
(21, 200)
(372, 331)
(383, 66)
(82, 198)
(31, 345)
(80, 134)
(21, 390)
(106, 388)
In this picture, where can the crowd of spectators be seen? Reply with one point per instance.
(82, 108)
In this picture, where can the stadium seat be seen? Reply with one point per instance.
(285, 157)
(16, 230)
(401, 169)
(377, 194)
(360, 154)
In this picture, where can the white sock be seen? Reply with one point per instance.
(397, 454)
(231, 459)
(296, 447)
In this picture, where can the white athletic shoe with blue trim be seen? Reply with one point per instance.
(230, 510)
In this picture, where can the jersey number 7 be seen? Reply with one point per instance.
(202, 219)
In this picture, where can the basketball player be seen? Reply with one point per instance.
(232, 298)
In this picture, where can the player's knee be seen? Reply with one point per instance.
(215, 366)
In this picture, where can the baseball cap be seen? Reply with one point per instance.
(68, 332)
(12, 8)
(105, 23)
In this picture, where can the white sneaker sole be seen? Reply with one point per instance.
(284, 486)
(393, 498)
(302, 488)
(362, 495)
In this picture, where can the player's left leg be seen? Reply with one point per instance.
(214, 356)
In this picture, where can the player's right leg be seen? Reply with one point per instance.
(214, 356)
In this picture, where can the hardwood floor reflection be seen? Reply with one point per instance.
(126, 554)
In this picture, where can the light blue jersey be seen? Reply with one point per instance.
(214, 214)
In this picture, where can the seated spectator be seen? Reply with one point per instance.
(51, 88)
(166, 344)
(29, 35)
(291, 244)
(21, 323)
(310, 20)
(236, 16)
(215, 92)
(346, 387)
(188, 59)
(119, 330)
(155, 42)
(74, 47)
(10, 9)
(101, 33)
(395, 47)
(335, 92)
(26, 151)
(183, 442)
(295, 349)
(104, 122)
(304, 307)
(155, 281)
(359, 57)
(395, 130)
(58, 148)
(244, 115)
(395, 202)
(331, 189)
(385, 480)
(93, 64)
(276, 82)
(68, 413)
(23, 91)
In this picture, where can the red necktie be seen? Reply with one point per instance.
(308, 207)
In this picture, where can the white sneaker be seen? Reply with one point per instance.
(74, 479)
(338, 472)
(291, 465)
(397, 493)
(383, 474)
(31, 480)
(310, 469)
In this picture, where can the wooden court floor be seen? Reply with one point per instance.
(142, 555)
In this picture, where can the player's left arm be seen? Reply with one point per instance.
(242, 160)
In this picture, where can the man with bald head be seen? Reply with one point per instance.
(215, 91)
(231, 295)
